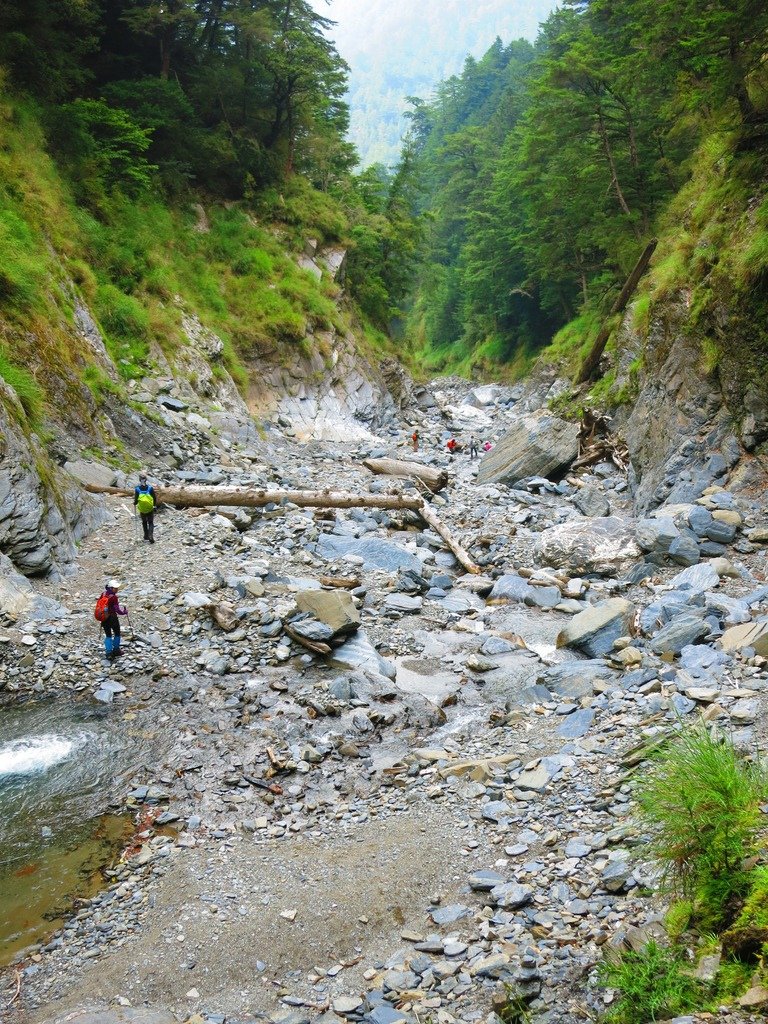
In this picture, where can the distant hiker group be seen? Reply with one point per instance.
(472, 447)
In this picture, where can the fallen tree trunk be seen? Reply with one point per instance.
(592, 361)
(434, 479)
(461, 556)
(247, 497)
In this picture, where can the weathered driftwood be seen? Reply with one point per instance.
(592, 361)
(428, 515)
(200, 497)
(249, 497)
(434, 479)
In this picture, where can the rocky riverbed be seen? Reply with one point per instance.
(437, 812)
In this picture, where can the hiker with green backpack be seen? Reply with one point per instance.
(106, 612)
(144, 500)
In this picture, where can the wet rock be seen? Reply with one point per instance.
(594, 631)
(540, 445)
(603, 546)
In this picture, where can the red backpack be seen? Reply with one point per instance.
(101, 611)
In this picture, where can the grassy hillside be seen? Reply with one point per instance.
(140, 265)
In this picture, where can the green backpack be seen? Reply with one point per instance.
(145, 502)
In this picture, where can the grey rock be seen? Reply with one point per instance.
(91, 473)
(683, 630)
(576, 679)
(684, 550)
(602, 546)
(616, 874)
(697, 578)
(540, 445)
(656, 534)
(449, 914)
(510, 588)
(484, 881)
(594, 631)
(592, 502)
(403, 603)
(576, 725)
(511, 895)
(376, 553)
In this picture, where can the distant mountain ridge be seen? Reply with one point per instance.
(396, 51)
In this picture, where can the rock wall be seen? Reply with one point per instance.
(43, 513)
(324, 391)
(688, 427)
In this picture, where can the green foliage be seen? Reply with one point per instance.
(754, 912)
(103, 147)
(652, 983)
(22, 273)
(99, 383)
(125, 322)
(701, 803)
(29, 392)
(678, 918)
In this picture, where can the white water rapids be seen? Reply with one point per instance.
(32, 754)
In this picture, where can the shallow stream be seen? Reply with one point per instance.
(63, 765)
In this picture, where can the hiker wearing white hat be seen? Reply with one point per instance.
(108, 610)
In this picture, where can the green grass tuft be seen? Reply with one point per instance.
(701, 803)
(29, 392)
(652, 983)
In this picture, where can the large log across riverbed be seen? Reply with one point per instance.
(247, 497)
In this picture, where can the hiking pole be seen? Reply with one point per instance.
(133, 635)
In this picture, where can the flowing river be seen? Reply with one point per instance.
(63, 768)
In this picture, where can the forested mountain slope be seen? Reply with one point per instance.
(547, 169)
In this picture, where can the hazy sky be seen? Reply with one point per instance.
(397, 48)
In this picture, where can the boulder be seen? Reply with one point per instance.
(19, 600)
(592, 502)
(375, 553)
(336, 609)
(537, 445)
(576, 679)
(91, 473)
(656, 535)
(510, 588)
(749, 634)
(605, 546)
(683, 630)
(594, 631)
